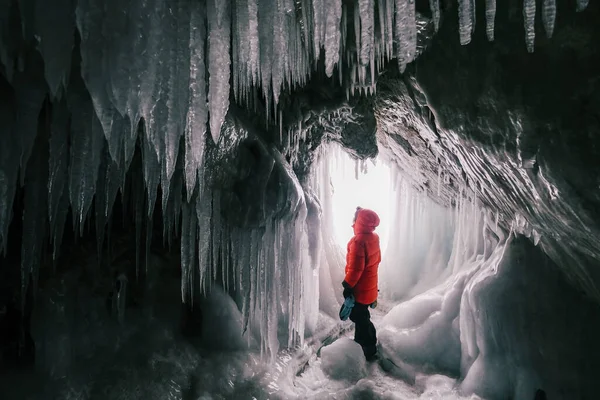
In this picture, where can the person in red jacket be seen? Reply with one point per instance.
(362, 262)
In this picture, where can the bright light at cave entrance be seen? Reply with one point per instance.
(372, 190)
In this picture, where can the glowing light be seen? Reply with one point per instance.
(371, 190)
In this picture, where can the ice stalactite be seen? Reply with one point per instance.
(35, 214)
(219, 27)
(197, 116)
(245, 47)
(366, 13)
(58, 172)
(265, 265)
(549, 16)
(386, 28)
(529, 16)
(406, 32)
(110, 181)
(434, 5)
(279, 48)
(189, 234)
(86, 146)
(466, 20)
(490, 18)
(327, 16)
(178, 84)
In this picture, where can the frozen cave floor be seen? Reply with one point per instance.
(382, 378)
(154, 362)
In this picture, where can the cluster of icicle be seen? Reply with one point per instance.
(268, 268)
(152, 59)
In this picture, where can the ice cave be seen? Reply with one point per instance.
(178, 180)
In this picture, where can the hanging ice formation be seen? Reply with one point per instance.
(169, 65)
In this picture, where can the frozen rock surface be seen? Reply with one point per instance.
(222, 322)
(344, 360)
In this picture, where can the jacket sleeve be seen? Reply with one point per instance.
(356, 262)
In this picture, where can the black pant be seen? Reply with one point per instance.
(364, 333)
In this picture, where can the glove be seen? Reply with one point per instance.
(373, 304)
(348, 291)
(346, 308)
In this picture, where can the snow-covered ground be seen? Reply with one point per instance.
(343, 373)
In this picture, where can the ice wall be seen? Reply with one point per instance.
(509, 323)
(428, 242)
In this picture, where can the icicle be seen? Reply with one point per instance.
(59, 223)
(130, 142)
(178, 84)
(280, 40)
(148, 246)
(188, 249)
(216, 231)
(87, 142)
(90, 19)
(490, 17)
(203, 214)
(280, 126)
(549, 16)
(529, 15)
(109, 181)
(34, 214)
(388, 26)
(55, 27)
(434, 5)
(319, 21)
(466, 20)
(332, 34)
(218, 64)
(367, 31)
(171, 206)
(247, 40)
(151, 172)
(101, 198)
(406, 32)
(197, 112)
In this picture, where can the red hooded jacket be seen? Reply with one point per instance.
(364, 256)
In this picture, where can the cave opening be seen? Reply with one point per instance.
(364, 183)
